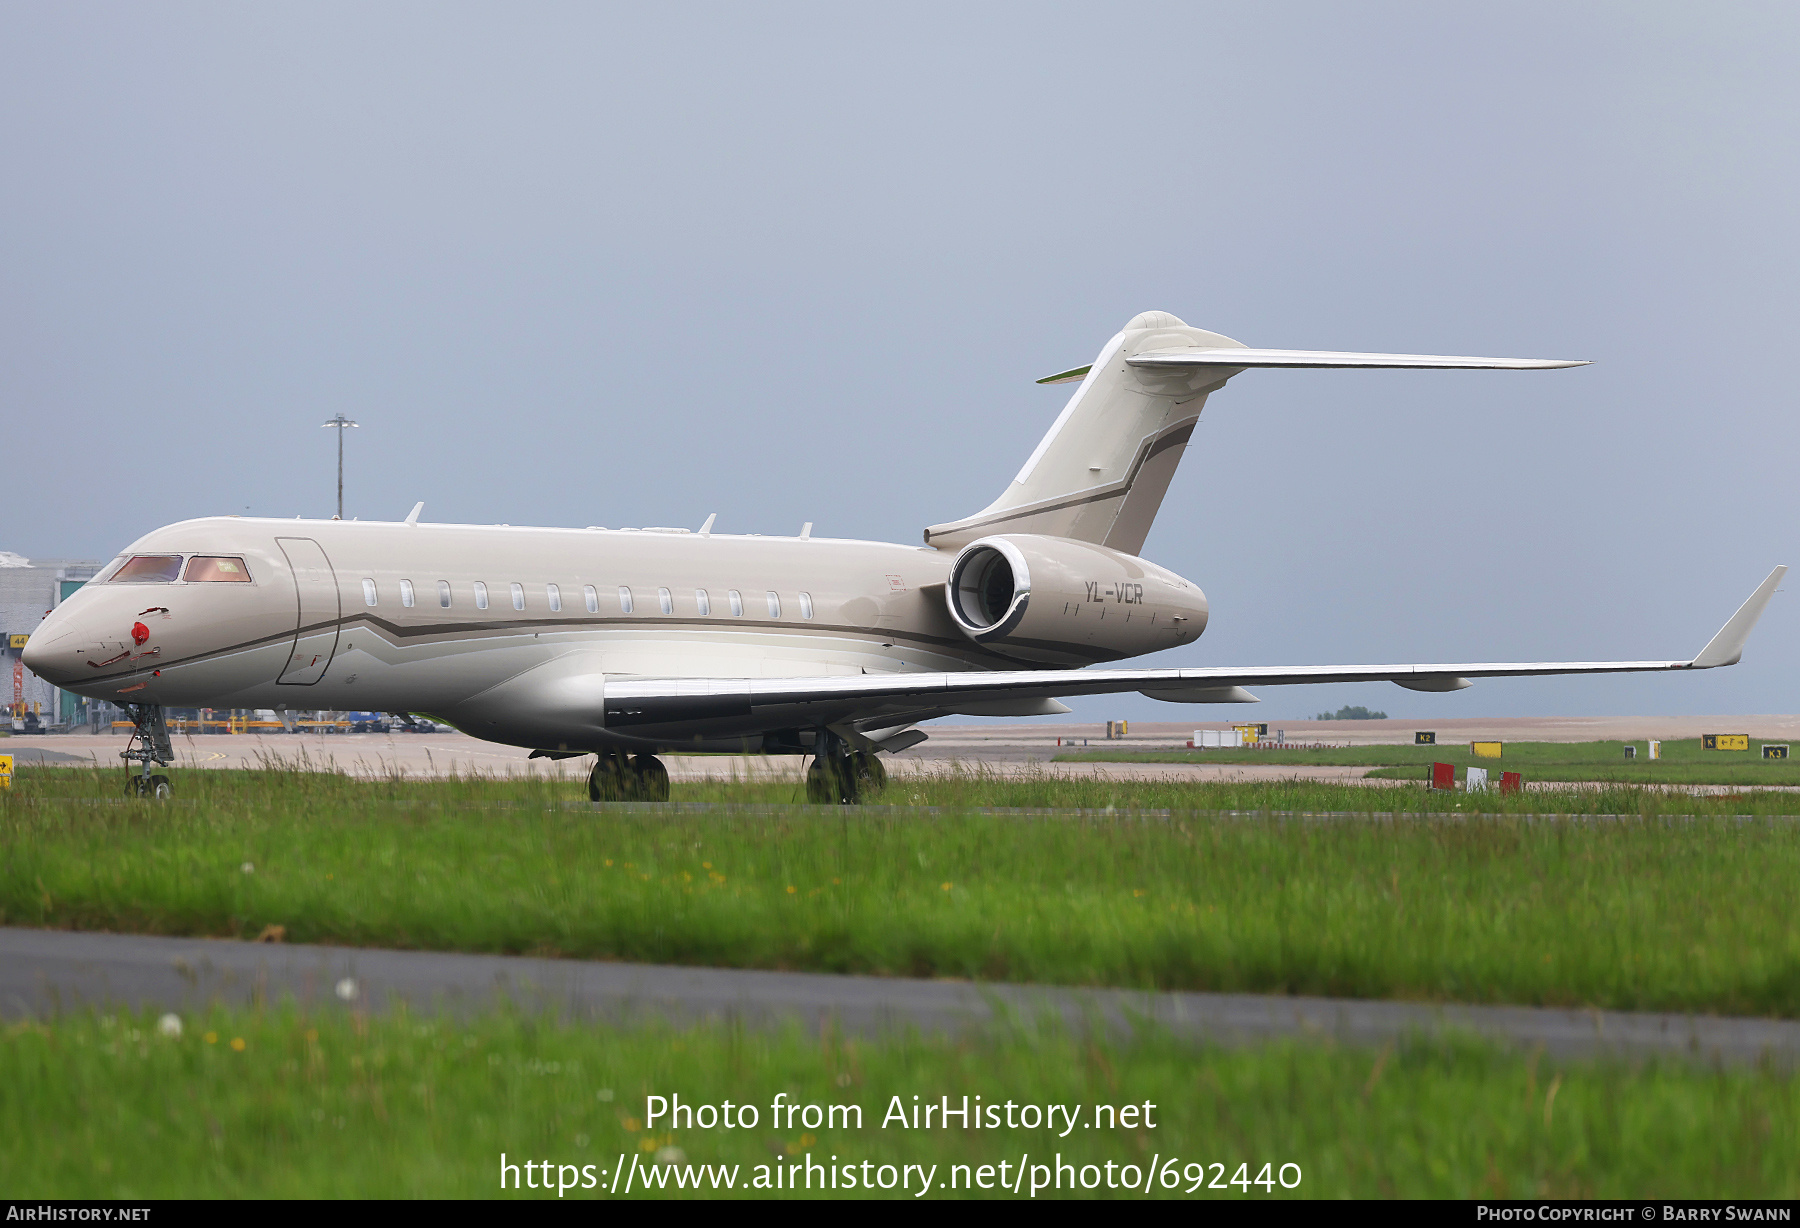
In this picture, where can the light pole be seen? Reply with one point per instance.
(340, 422)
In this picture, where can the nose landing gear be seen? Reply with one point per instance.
(149, 743)
(642, 778)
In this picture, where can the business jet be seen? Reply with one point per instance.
(626, 643)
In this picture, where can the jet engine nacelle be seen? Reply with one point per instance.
(1056, 600)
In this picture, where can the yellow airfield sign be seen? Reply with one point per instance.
(5, 771)
(1724, 741)
(1485, 750)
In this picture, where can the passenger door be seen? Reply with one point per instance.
(316, 620)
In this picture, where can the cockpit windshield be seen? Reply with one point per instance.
(210, 568)
(148, 569)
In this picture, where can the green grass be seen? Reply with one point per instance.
(1683, 763)
(341, 1105)
(957, 787)
(1645, 912)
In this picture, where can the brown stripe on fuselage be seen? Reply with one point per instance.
(1175, 437)
(448, 633)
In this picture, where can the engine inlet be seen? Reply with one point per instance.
(989, 588)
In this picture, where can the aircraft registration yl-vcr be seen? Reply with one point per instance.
(627, 642)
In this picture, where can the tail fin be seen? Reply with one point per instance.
(1101, 472)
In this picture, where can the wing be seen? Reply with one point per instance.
(884, 700)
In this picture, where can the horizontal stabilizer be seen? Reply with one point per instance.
(1239, 357)
(1236, 357)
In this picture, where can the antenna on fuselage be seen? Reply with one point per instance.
(412, 517)
(706, 529)
(806, 531)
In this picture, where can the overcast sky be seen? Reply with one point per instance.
(631, 264)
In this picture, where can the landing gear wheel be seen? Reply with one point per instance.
(823, 783)
(843, 780)
(156, 788)
(617, 779)
(611, 780)
(870, 774)
(652, 778)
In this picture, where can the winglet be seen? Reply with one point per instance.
(412, 517)
(1727, 647)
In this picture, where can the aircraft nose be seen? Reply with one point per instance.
(50, 653)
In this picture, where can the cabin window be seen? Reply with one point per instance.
(774, 605)
(406, 594)
(701, 602)
(149, 569)
(480, 595)
(591, 597)
(805, 605)
(518, 596)
(553, 595)
(665, 601)
(368, 591)
(624, 599)
(737, 604)
(444, 593)
(211, 569)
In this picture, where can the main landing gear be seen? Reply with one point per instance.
(839, 775)
(149, 743)
(641, 778)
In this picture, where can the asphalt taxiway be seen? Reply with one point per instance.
(44, 973)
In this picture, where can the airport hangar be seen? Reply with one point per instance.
(29, 590)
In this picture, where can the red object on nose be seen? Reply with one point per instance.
(139, 633)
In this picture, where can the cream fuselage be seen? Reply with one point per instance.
(845, 608)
